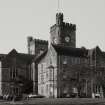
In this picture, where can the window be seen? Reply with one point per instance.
(51, 85)
(46, 75)
(10, 73)
(17, 91)
(55, 76)
(51, 94)
(73, 60)
(47, 88)
(65, 60)
(42, 78)
(55, 85)
(13, 72)
(78, 60)
(99, 73)
(39, 77)
(42, 90)
(51, 74)
(41, 68)
(44, 67)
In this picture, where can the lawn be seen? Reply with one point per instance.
(59, 101)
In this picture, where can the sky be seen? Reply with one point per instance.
(22, 18)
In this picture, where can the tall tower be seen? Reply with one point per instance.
(63, 33)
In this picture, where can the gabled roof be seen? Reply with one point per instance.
(20, 56)
(67, 50)
(12, 53)
(95, 50)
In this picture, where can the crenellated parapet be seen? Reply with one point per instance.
(59, 18)
(36, 46)
(69, 26)
(61, 24)
(39, 41)
(61, 30)
(30, 39)
(59, 15)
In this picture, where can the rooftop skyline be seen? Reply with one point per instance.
(22, 18)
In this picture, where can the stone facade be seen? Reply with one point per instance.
(73, 72)
(63, 33)
(66, 71)
(58, 70)
(47, 77)
(15, 71)
(36, 47)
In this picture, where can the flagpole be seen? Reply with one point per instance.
(58, 5)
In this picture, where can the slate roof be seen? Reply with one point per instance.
(96, 51)
(67, 50)
(22, 56)
(27, 58)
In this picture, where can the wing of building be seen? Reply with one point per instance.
(63, 70)
(15, 73)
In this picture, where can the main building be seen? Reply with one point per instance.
(56, 69)
(63, 70)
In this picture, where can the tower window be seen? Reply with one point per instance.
(41, 68)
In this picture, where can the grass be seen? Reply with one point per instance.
(60, 101)
(66, 101)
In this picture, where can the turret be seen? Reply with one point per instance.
(63, 33)
(59, 18)
(29, 40)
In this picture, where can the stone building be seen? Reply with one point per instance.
(15, 73)
(62, 70)
(36, 47)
